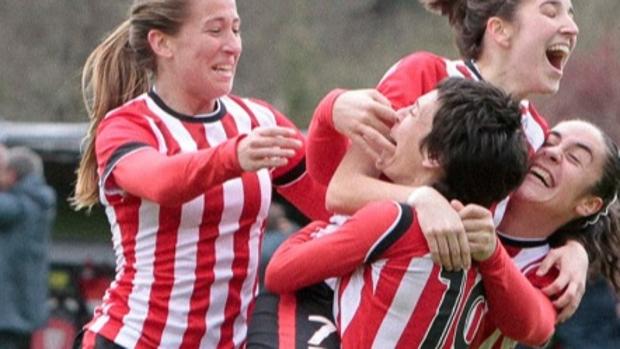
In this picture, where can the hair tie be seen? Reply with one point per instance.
(604, 213)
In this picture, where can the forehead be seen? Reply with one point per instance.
(583, 133)
(214, 9)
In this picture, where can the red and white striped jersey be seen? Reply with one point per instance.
(186, 273)
(390, 293)
(408, 79)
(527, 256)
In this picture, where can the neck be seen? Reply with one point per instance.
(538, 224)
(182, 101)
(501, 75)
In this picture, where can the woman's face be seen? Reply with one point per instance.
(564, 169)
(543, 36)
(207, 47)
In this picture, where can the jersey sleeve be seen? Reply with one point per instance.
(127, 149)
(412, 77)
(315, 253)
(326, 146)
(293, 182)
(521, 311)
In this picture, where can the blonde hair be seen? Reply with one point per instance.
(117, 71)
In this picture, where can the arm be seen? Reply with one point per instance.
(572, 261)
(127, 148)
(521, 311)
(331, 253)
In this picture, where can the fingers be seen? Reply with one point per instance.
(547, 263)
(557, 285)
(267, 147)
(456, 250)
(465, 250)
(444, 253)
(569, 301)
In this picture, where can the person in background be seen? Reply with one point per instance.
(27, 212)
(185, 171)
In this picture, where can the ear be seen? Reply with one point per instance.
(160, 43)
(589, 205)
(430, 162)
(500, 31)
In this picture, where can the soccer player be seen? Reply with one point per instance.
(185, 172)
(390, 293)
(520, 46)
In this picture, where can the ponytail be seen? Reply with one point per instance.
(111, 77)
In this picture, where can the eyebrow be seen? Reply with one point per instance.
(557, 3)
(577, 144)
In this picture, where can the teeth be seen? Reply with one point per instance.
(559, 48)
(541, 173)
(224, 68)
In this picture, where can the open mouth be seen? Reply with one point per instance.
(541, 174)
(557, 55)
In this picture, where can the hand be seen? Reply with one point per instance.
(267, 147)
(442, 228)
(365, 116)
(480, 229)
(572, 262)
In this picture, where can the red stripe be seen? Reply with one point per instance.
(424, 312)
(88, 341)
(163, 265)
(205, 262)
(251, 206)
(163, 277)
(464, 70)
(119, 295)
(287, 308)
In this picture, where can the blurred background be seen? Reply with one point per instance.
(295, 51)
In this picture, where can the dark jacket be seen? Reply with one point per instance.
(27, 212)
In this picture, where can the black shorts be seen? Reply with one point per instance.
(294, 321)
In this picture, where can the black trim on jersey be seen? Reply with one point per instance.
(470, 64)
(216, 115)
(119, 153)
(401, 227)
(292, 175)
(509, 241)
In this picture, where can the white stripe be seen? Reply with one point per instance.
(264, 116)
(140, 294)
(530, 255)
(223, 246)
(404, 302)
(453, 71)
(241, 117)
(533, 131)
(185, 263)
(176, 128)
(350, 298)
(248, 289)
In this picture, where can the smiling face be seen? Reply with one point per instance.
(564, 170)
(415, 122)
(204, 53)
(544, 36)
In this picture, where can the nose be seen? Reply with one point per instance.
(232, 43)
(553, 153)
(570, 27)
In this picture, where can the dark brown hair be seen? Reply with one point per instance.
(478, 140)
(469, 19)
(600, 232)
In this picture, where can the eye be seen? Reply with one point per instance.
(549, 10)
